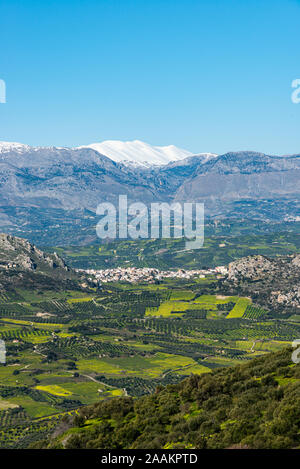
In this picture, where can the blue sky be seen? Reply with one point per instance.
(204, 75)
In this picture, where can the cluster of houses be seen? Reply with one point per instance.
(148, 274)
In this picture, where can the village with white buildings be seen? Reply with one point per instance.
(149, 274)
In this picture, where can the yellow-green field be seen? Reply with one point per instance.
(153, 366)
(239, 308)
(55, 390)
(184, 300)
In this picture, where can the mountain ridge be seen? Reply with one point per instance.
(138, 153)
(47, 180)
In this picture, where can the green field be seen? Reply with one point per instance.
(54, 389)
(239, 309)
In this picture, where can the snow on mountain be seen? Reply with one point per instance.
(139, 153)
(6, 147)
(204, 157)
(135, 153)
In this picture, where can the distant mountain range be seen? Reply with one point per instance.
(135, 153)
(45, 188)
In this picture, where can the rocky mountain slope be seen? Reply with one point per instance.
(274, 282)
(24, 265)
(47, 187)
(19, 254)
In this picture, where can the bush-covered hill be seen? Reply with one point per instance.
(254, 405)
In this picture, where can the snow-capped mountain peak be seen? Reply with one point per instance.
(6, 147)
(139, 153)
(134, 153)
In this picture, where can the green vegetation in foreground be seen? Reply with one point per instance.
(68, 349)
(254, 405)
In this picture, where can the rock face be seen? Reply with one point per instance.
(251, 268)
(275, 282)
(19, 254)
(296, 261)
(48, 187)
(23, 265)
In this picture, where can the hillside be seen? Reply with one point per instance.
(276, 282)
(24, 265)
(19, 254)
(254, 405)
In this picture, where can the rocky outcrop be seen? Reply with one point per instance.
(252, 268)
(274, 282)
(19, 254)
